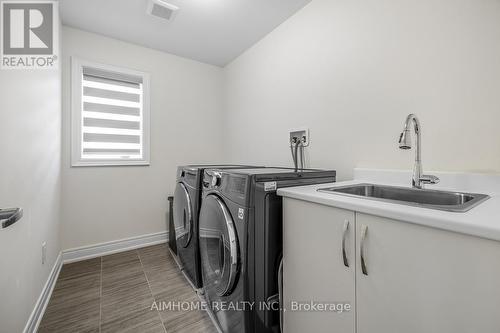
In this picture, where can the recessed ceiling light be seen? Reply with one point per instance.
(162, 9)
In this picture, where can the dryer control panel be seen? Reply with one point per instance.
(230, 185)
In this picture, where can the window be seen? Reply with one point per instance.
(110, 115)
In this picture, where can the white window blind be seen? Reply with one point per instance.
(111, 117)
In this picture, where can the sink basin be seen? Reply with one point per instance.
(433, 199)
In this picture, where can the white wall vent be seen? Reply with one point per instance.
(162, 9)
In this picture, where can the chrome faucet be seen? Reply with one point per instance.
(418, 179)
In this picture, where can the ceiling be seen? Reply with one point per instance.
(210, 31)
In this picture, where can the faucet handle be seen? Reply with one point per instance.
(429, 179)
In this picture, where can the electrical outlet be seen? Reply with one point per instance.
(44, 252)
(301, 134)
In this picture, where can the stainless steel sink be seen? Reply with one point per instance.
(433, 199)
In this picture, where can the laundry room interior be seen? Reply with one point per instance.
(250, 166)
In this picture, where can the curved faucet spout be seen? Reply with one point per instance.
(405, 138)
(418, 178)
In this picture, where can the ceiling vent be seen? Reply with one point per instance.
(162, 9)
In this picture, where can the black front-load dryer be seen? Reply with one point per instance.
(187, 198)
(241, 244)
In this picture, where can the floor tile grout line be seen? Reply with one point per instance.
(151, 291)
(100, 299)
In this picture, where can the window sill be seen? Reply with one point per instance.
(109, 163)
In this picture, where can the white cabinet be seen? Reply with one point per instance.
(418, 279)
(314, 268)
(425, 280)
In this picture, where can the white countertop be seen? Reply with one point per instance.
(482, 220)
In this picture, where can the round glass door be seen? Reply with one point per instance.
(183, 215)
(219, 246)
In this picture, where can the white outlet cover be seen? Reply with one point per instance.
(44, 252)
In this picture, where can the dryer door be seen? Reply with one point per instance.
(218, 246)
(183, 215)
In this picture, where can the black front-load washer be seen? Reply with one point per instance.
(241, 244)
(187, 199)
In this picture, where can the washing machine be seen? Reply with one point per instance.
(241, 244)
(187, 198)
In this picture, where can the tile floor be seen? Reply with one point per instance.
(117, 293)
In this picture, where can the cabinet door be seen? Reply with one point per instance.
(425, 280)
(313, 266)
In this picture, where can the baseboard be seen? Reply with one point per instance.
(98, 250)
(43, 300)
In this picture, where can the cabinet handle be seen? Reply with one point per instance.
(364, 230)
(344, 234)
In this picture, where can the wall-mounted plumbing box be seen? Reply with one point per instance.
(301, 134)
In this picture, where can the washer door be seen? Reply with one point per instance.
(183, 215)
(219, 246)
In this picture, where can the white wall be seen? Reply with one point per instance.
(352, 70)
(102, 204)
(30, 160)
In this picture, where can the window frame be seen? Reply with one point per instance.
(77, 65)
